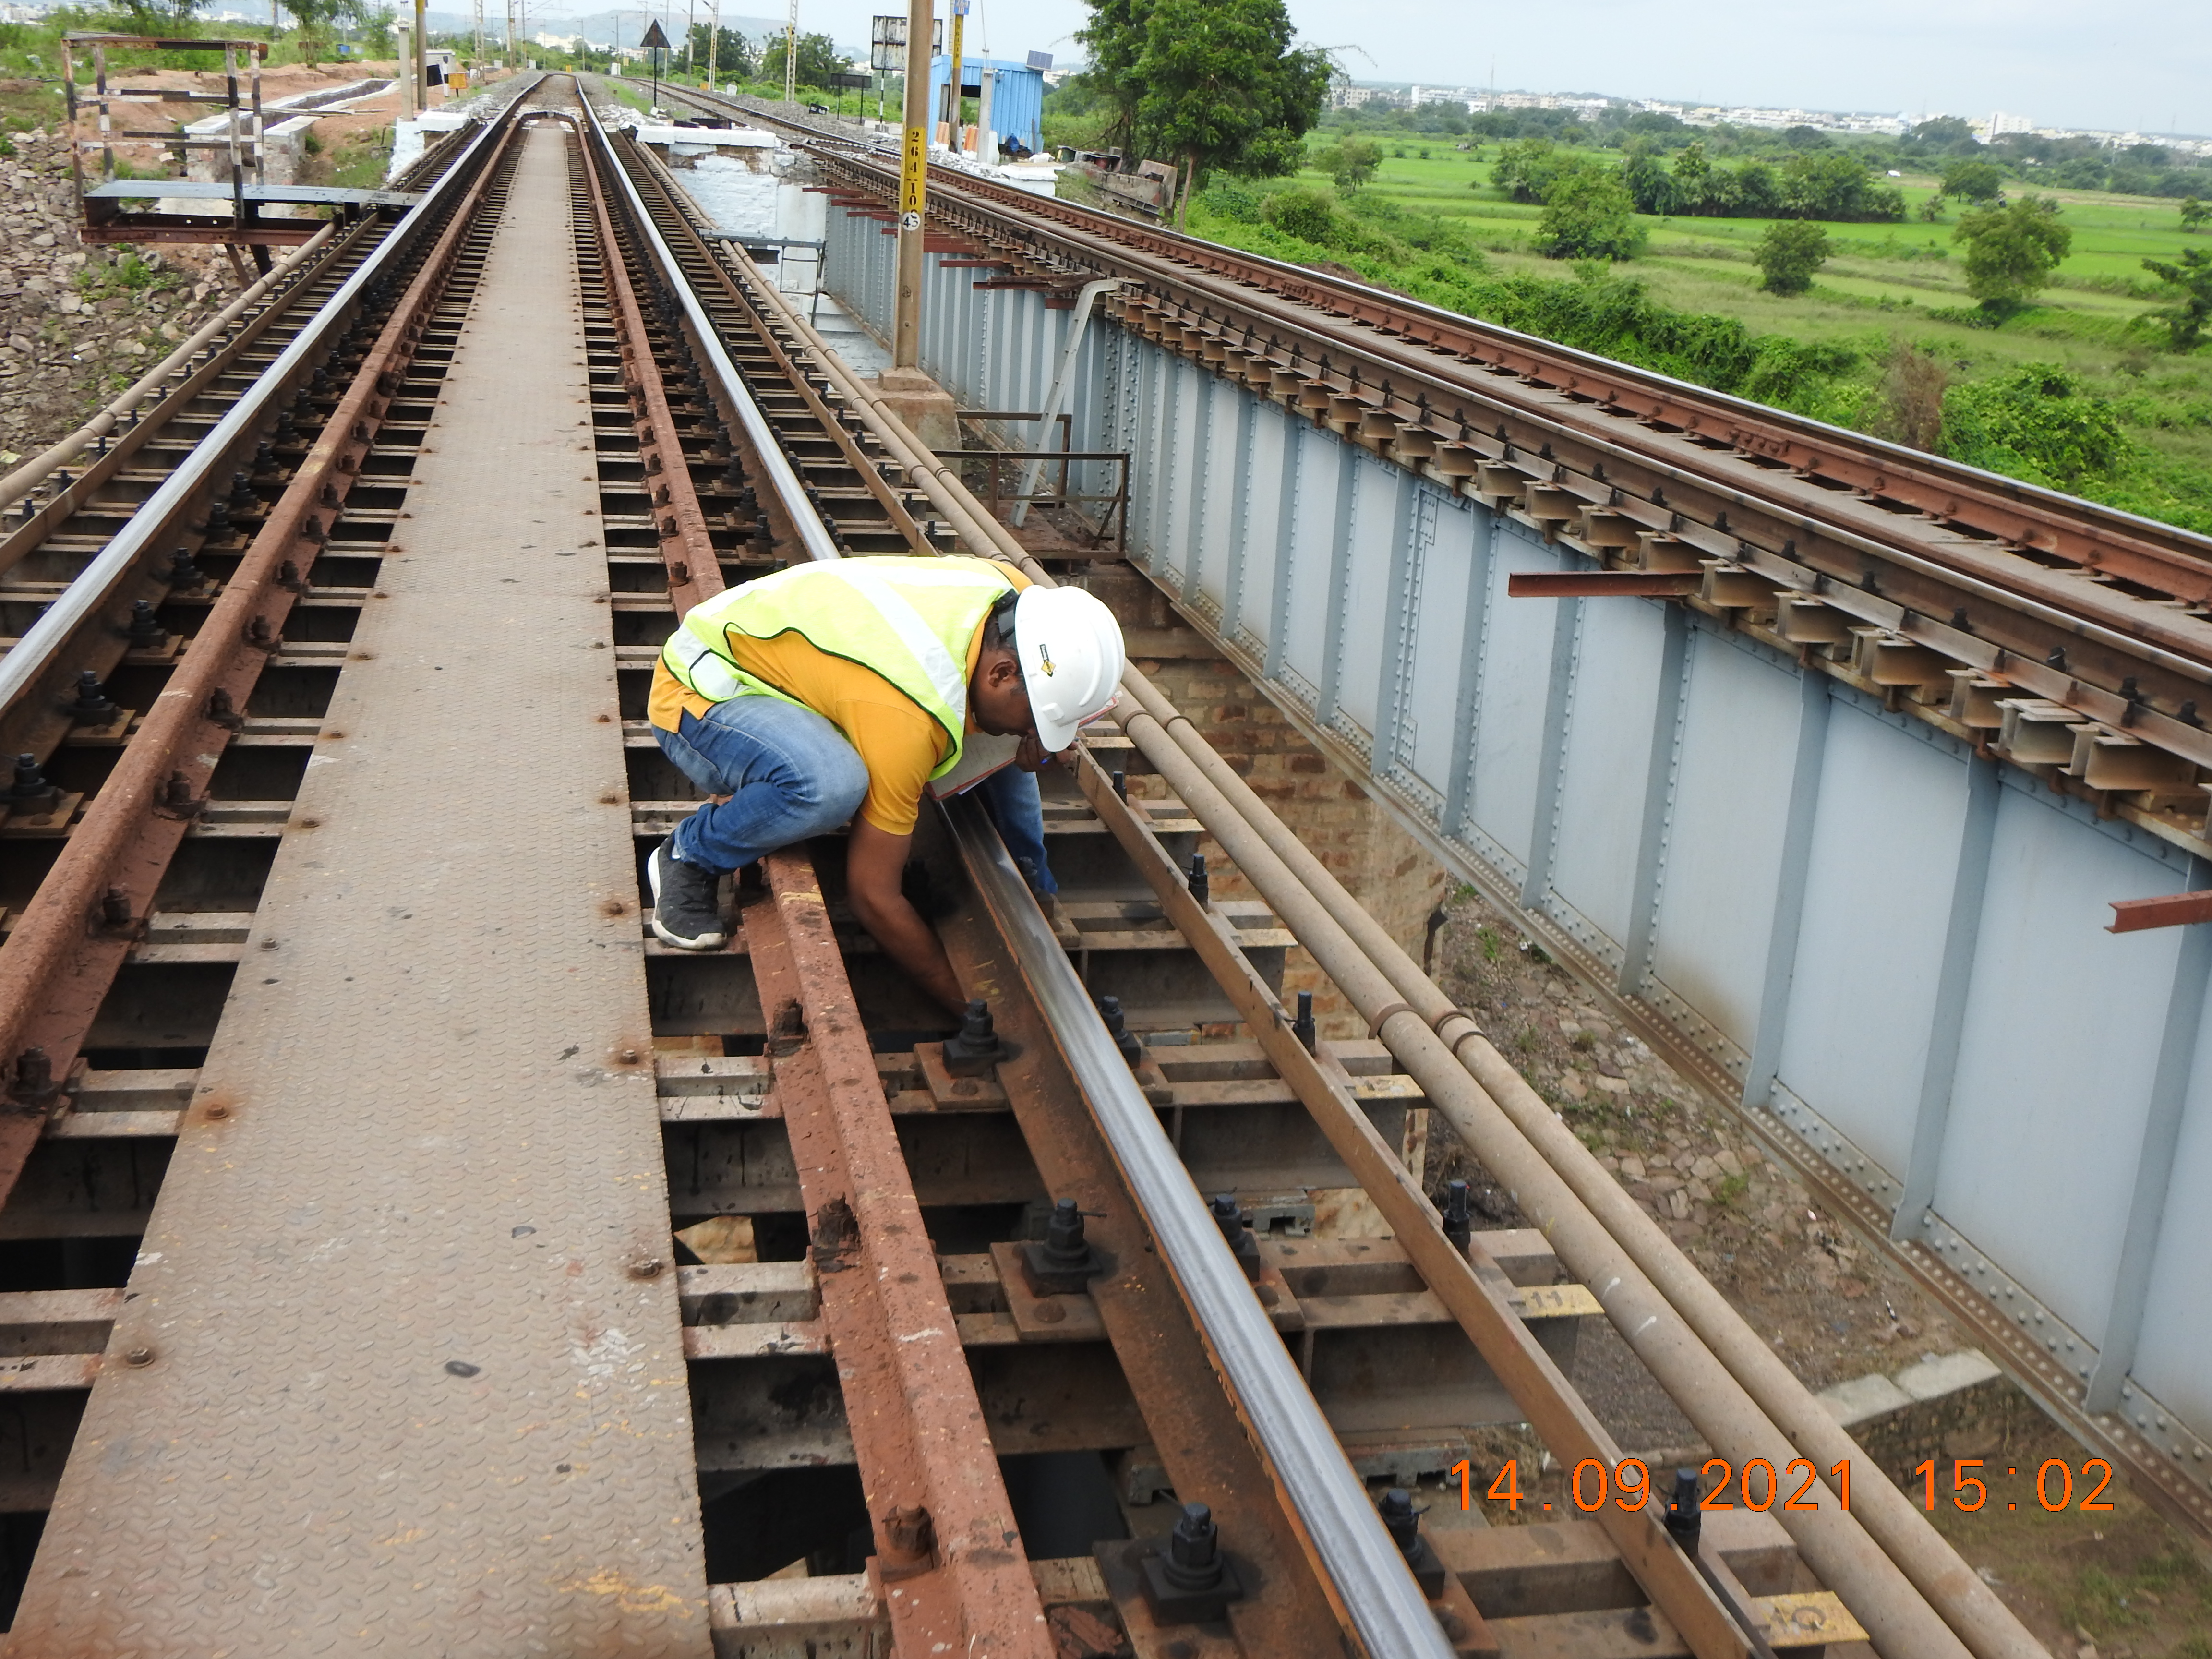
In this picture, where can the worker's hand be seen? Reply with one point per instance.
(1034, 756)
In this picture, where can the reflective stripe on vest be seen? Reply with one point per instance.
(910, 620)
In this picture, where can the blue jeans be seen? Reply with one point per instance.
(790, 775)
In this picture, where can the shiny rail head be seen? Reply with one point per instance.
(1359, 1565)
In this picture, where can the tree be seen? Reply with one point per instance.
(1826, 184)
(2011, 252)
(1789, 254)
(733, 59)
(1694, 180)
(1944, 135)
(2194, 212)
(1649, 185)
(2190, 284)
(1975, 181)
(818, 59)
(1351, 163)
(1589, 215)
(1116, 41)
(1214, 84)
(315, 20)
(1527, 167)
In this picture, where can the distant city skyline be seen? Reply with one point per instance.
(2141, 64)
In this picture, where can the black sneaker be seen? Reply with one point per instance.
(684, 911)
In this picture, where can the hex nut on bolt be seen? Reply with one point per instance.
(648, 1268)
(138, 1356)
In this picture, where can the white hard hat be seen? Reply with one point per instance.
(1070, 649)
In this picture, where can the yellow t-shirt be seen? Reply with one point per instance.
(900, 744)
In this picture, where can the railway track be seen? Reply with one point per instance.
(293, 1269)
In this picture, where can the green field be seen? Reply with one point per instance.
(1436, 227)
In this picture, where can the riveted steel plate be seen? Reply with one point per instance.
(409, 1383)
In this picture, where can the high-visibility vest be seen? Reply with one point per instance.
(910, 620)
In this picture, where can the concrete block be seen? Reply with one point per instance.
(1862, 1397)
(1950, 1373)
(925, 406)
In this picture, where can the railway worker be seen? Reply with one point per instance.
(830, 690)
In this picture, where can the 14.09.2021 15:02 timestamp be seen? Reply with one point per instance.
(2057, 1487)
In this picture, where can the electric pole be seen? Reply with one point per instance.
(791, 56)
(953, 80)
(913, 182)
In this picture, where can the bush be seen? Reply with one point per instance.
(1908, 406)
(2036, 423)
(1351, 163)
(1232, 200)
(1789, 254)
(1589, 215)
(1305, 213)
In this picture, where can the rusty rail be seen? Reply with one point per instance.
(949, 1557)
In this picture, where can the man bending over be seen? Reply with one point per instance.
(847, 686)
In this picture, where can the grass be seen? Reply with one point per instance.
(1437, 228)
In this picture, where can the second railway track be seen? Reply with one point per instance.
(365, 1298)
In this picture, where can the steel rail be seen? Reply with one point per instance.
(703, 259)
(21, 668)
(1932, 483)
(1769, 430)
(814, 539)
(2022, 619)
(1360, 1567)
(695, 569)
(953, 1574)
(262, 332)
(1882, 1579)
(1430, 366)
(1470, 1284)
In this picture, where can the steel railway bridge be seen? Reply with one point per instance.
(355, 1113)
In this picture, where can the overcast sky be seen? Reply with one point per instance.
(2118, 64)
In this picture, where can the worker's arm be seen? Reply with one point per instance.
(1033, 757)
(874, 862)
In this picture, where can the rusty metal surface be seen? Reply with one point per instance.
(401, 1367)
(948, 1555)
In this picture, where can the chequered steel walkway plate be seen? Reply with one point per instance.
(414, 1389)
